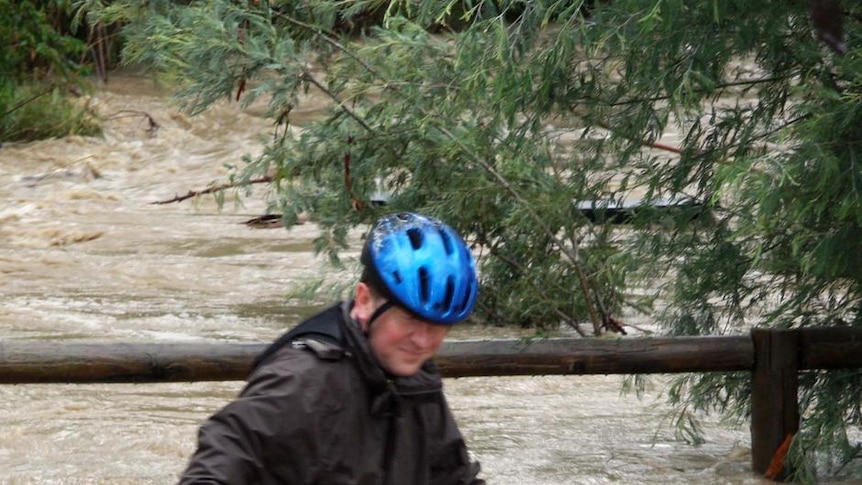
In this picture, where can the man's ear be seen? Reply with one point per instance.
(363, 305)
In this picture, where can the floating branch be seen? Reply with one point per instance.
(152, 125)
(210, 190)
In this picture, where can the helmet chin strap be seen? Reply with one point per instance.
(379, 311)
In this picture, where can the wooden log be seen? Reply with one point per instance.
(42, 362)
(830, 348)
(774, 389)
(564, 356)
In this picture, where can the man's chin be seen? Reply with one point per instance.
(405, 369)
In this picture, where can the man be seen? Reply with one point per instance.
(351, 395)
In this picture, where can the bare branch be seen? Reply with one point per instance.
(210, 190)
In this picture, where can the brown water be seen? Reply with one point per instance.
(85, 256)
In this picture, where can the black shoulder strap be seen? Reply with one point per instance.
(324, 326)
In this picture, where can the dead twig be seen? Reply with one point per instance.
(210, 190)
(152, 125)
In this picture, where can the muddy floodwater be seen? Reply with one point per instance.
(86, 257)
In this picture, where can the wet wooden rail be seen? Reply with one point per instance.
(43, 362)
(774, 358)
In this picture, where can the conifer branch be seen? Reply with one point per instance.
(520, 268)
(309, 77)
(572, 254)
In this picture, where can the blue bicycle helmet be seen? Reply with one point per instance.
(423, 265)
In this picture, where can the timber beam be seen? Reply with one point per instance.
(63, 362)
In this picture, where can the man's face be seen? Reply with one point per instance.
(400, 341)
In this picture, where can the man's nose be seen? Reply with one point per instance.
(423, 335)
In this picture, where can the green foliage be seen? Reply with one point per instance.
(43, 111)
(36, 47)
(40, 60)
(503, 125)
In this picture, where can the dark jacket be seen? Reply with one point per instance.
(317, 409)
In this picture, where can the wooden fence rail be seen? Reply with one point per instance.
(774, 357)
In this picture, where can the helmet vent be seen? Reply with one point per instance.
(397, 276)
(466, 297)
(450, 292)
(415, 236)
(424, 284)
(447, 242)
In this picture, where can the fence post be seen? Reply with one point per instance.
(774, 386)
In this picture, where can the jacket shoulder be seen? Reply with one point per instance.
(324, 349)
(323, 328)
